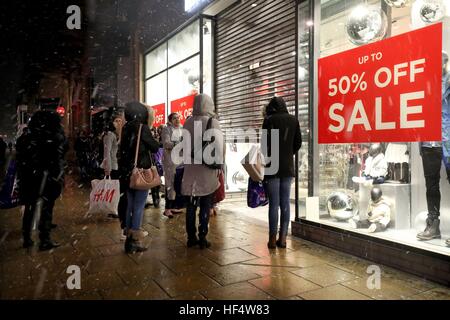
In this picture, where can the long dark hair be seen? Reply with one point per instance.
(109, 117)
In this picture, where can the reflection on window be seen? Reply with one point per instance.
(156, 61)
(184, 79)
(156, 89)
(184, 44)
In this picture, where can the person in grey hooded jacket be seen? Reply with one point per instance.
(170, 137)
(200, 181)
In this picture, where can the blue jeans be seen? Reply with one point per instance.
(278, 191)
(135, 208)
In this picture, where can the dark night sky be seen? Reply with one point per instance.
(34, 39)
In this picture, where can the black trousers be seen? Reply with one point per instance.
(45, 222)
(170, 204)
(432, 161)
(205, 204)
(123, 203)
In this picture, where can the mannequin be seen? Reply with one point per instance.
(375, 167)
(378, 212)
(433, 154)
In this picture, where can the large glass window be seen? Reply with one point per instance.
(156, 89)
(184, 79)
(156, 61)
(184, 44)
(173, 70)
(347, 183)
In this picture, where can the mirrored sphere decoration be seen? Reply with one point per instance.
(366, 24)
(341, 206)
(432, 11)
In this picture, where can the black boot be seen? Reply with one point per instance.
(431, 231)
(204, 243)
(48, 245)
(27, 242)
(128, 244)
(192, 242)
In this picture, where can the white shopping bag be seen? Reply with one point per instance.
(105, 195)
(253, 163)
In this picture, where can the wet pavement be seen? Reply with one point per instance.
(238, 265)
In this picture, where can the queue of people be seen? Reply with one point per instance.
(130, 141)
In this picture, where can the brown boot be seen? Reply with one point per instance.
(281, 242)
(136, 245)
(272, 242)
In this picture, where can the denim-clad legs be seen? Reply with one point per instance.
(278, 191)
(135, 209)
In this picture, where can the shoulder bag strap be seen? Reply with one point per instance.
(138, 141)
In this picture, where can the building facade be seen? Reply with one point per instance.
(242, 53)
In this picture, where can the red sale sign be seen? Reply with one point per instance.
(388, 91)
(160, 114)
(183, 107)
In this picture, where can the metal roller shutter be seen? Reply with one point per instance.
(255, 61)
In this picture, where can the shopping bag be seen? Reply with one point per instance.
(219, 194)
(256, 195)
(9, 197)
(157, 158)
(253, 163)
(105, 196)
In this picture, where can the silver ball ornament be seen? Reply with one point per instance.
(341, 206)
(432, 11)
(366, 24)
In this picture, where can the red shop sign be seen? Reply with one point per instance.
(160, 114)
(183, 107)
(388, 91)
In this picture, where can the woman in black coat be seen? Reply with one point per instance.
(136, 114)
(278, 183)
(40, 170)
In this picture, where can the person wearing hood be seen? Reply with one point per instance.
(40, 172)
(199, 180)
(170, 136)
(136, 115)
(110, 137)
(278, 185)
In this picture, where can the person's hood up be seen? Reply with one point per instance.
(45, 123)
(136, 111)
(276, 105)
(203, 106)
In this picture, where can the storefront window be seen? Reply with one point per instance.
(303, 97)
(156, 89)
(171, 79)
(184, 79)
(156, 61)
(360, 181)
(184, 44)
(207, 57)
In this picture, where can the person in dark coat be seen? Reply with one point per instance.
(3, 147)
(136, 114)
(278, 185)
(40, 172)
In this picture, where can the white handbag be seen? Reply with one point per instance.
(253, 163)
